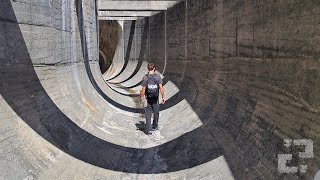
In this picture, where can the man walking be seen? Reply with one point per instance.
(151, 85)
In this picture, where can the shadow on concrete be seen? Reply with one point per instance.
(22, 90)
(136, 85)
(123, 94)
(165, 80)
(143, 48)
(141, 126)
(129, 46)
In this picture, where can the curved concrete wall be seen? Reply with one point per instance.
(255, 69)
(58, 118)
(240, 77)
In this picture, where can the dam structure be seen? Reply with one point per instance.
(241, 80)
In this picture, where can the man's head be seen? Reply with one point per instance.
(151, 67)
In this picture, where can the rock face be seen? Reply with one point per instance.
(240, 77)
(109, 34)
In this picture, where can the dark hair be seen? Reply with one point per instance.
(151, 66)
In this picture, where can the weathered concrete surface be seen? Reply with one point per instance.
(255, 70)
(255, 66)
(132, 38)
(241, 76)
(57, 121)
(118, 60)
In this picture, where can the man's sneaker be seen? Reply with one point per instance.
(149, 133)
(155, 128)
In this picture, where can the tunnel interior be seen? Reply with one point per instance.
(109, 35)
(241, 79)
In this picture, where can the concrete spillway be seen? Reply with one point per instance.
(240, 78)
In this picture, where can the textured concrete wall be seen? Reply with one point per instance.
(43, 83)
(60, 120)
(255, 70)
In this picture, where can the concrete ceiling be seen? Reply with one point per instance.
(123, 9)
(119, 18)
(127, 13)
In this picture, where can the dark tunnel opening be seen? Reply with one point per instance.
(109, 37)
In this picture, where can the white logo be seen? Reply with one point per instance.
(284, 159)
(317, 177)
(152, 86)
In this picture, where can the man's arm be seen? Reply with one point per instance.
(162, 93)
(142, 92)
(143, 89)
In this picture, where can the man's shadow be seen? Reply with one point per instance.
(141, 126)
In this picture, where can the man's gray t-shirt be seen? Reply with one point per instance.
(145, 79)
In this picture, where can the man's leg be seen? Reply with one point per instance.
(155, 108)
(148, 113)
